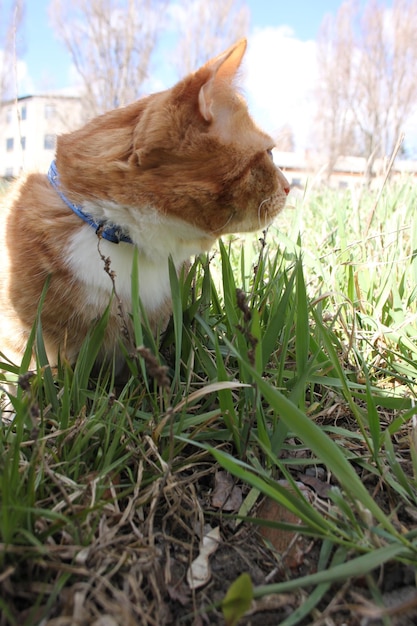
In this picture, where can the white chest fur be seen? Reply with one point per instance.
(156, 239)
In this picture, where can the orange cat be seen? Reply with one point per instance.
(167, 175)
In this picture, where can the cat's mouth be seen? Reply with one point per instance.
(270, 207)
(249, 220)
(264, 212)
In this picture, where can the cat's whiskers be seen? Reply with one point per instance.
(221, 229)
(265, 214)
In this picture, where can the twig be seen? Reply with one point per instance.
(387, 173)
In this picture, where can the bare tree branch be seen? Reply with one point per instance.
(207, 28)
(10, 48)
(367, 91)
(110, 43)
(334, 87)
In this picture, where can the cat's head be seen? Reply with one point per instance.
(191, 152)
(197, 144)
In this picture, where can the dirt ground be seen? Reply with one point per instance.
(135, 567)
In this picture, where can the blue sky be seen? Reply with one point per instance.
(48, 62)
(281, 46)
(279, 71)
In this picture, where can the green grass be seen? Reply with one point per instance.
(292, 351)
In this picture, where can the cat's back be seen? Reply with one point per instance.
(12, 342)
(35, 225)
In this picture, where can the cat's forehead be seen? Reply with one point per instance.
(239, 127)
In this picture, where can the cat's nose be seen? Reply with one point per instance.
(284, 182)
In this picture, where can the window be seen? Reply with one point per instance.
(50, 111)
(8, 173)
(49, 142)
(9, 115)
(23, 143)
(9, 144)
(23, 112)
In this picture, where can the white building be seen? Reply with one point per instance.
(348, 171)
(28, 130)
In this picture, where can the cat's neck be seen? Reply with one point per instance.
(109, 231)
(156, 236)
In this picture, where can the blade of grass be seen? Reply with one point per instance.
(279, 320)
(178, 319)
(317, 594)
(357, 566)
(86, 360)
(324, 448)
(299, 506)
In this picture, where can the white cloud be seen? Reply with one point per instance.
(280, 76)
(20, 79)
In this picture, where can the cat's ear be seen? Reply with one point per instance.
(222, 68)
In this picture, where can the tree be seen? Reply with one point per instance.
(387, 89)
(284, 139)
(334, 117)
(10, 48)
(207, 28)
(367, 88)
(110, 43)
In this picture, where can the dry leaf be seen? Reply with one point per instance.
(285, 542)
(199, 572)
(226, 495)
(320, 487)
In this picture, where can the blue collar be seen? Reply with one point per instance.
(111, 233)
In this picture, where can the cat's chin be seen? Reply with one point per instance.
(267, 212)
(269, 209)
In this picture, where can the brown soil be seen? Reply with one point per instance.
(134, 570)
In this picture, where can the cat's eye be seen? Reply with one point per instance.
(269, 153)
